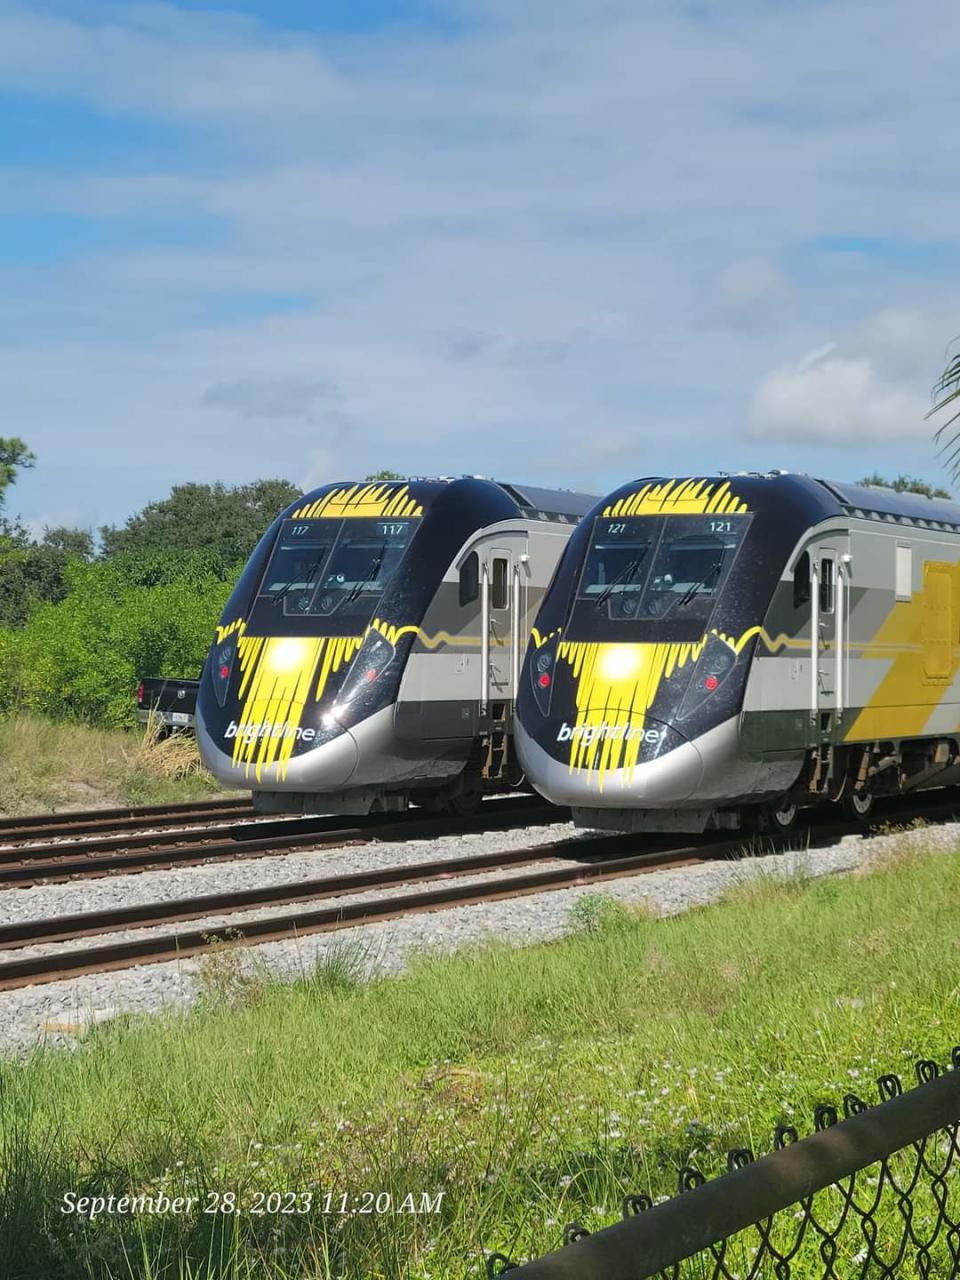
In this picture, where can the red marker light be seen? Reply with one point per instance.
(370, 676)
(224, 672)
(710, 683)
(544, 681)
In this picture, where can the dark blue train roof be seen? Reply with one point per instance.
(783, 493)
(491, 500)
(563, 502)
(876, 500)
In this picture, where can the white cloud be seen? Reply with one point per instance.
(160, 59)
(911, 342)
(835, 400)
(265, 398)
(526, 245)
(748, 293)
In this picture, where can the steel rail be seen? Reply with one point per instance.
(198, 818)
(93, 818)
(30, 865)
(268, 827)
(153, 949)
(83, 924)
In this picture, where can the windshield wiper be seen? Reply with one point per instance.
(710, 576)
(371, 574)
(624, 576)
(310, 576)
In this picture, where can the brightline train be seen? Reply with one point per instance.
(723, 651)
(370, 652)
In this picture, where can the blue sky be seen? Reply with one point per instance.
(566, 242)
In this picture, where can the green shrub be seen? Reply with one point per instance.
(121, 620)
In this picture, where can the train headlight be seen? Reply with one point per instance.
(221, 668)
(374, 656)
(619, 661)
(715, 664)
(542, 672)
(282, 657)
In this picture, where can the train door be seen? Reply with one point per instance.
(502, 601)
(829, 635)
(501, 605)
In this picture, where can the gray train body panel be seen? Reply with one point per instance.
(858, 693)
(827, 664)
(441, 682)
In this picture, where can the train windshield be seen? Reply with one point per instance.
(651, 569)
(325, 567)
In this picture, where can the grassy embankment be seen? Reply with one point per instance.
(48, 765)
(531, 1086)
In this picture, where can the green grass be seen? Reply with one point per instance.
(532, 1086)
(56, 765)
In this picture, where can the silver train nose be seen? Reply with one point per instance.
(326, 767)
(662, 781)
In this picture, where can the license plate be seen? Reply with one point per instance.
(179, 717)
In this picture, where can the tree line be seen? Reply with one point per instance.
(83, 617)
(198, 523)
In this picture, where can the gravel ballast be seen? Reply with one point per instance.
(55, 1011)
(163, 884)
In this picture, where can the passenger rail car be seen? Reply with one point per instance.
(722, 651)
(371, 648)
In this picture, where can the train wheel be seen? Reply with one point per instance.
(431, 802)
(465, 806)
(462, 799)
(858, 806)
(466, 795)
(777, 818)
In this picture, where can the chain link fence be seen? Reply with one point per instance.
(874, 1195)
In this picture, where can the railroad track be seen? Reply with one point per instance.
(45, 826)
(33, 864)
(583, 861)
(568, 862)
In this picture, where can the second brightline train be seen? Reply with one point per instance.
(723, 651)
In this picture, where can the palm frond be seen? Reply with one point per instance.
(946, 392)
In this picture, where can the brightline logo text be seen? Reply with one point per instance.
(604, 732)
